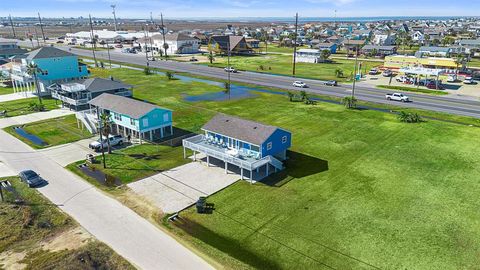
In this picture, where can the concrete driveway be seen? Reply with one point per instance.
(131, 236)
(178, 188)
(33, 117)
(70, 152)
(16, 96)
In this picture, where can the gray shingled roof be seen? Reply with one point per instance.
(48, 52)
(241, 129)
(127, 106)
(101, 84)
(378, 47)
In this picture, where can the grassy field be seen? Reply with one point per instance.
(138, 162)
(29, 227)
(21, 106)
(282, 64)
(413, 89)
(55, 131)
(475, 62)
(6, 90)
(361, 190)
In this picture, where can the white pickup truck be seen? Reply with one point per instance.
(114, 140)
(397, 97)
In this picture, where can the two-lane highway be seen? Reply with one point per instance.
(445, 104)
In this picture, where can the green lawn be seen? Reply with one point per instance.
(475, 62)
(25, 226)
(413, 89)
(21, 106)
(361, 189)
(55, 131)
(138, 162)
(6, 90)
(282, 64)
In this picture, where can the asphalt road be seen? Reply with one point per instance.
(458, 106)
(131, 236)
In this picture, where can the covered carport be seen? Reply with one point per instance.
(418, 72)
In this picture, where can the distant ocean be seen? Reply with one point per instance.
(318, 19)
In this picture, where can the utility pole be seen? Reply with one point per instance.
(229, 68)
(41, 28)
(36, 36)
(13, 27)
(295, 44)
(93, 40)
(163, 34)
(100, 130)
(114, 17)
(146, 50)
(108, 52)
(355, 73)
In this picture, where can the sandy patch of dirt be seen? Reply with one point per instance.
(70, 239)
(10, 260)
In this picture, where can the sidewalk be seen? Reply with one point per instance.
(16, 96)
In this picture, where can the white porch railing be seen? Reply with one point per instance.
(76, 102)
(87, 120)
(193, 143)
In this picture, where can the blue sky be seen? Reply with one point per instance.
(240, 8)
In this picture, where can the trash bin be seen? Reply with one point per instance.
(201, 205)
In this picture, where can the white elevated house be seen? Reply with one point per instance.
(308, 55)
(104, 36)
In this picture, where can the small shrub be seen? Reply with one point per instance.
(147, 71)
(408, 117)
(349, 102)
(169, 75)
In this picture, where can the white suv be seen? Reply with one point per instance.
(299, 84)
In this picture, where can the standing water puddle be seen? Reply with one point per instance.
(34, 139)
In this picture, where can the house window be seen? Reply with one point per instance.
(132, 121)
(145, 122)
(45, 72)
(284, 139)
(165, 117)
(117, 116)
(269, 146)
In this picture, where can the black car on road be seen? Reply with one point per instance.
(31, 178)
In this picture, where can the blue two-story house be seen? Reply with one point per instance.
(132, 117)
(246, 144)
(55, 66)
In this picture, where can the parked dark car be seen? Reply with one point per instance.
(31, 178)
(331, 83)
(433, 85)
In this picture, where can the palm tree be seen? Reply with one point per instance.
(210, 57)
(338, 73)
(106, 122)
(303, 95)
(169, 75)
(459, 61)
(165, 47)
(349, 102)
(33, 70)
(290, 96)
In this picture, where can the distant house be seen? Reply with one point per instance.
(353, 45)
(308, 56)
(202, 38)
(237, 45)
(133, 117)
(418, 36)
(249, 145)
(432, 51)
(76, 94)
(55, 66)
(9, 48)
(470, 45)
(331, 47)
(379, 50)
(253, 43)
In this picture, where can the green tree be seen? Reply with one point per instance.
(33, 70)
(338, 73)
(165, 47)
(210, 57)
(303, 95)
(290, 96)
(408, 117)
(106, 124)
(459, 60)
(324, 55)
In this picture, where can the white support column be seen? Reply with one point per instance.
(241, 173)
(208, 161)
(140, 136)
(151, 136)
(226, 167)
(194, 156)
(161, 132)
(118, 129)
(184, 153)
(171, 130)
(267, 168)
